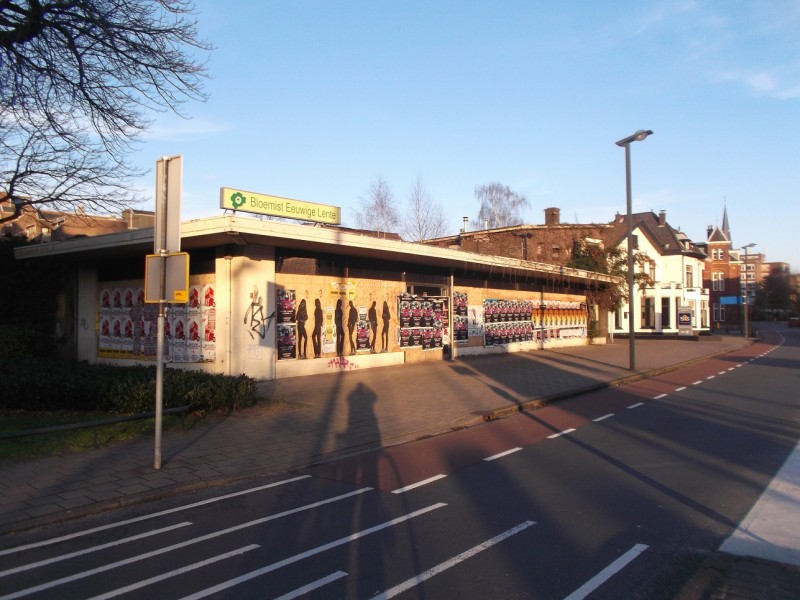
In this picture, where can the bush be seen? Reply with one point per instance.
(56, 385)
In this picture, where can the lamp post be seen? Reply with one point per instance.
(626, 143)
(746, 292)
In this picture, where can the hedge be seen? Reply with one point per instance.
(53, 385)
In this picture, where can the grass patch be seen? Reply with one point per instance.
(77, 440)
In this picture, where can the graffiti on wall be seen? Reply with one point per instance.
(255, 321)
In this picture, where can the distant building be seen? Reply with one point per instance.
(723, 276)
(43, 225)
(674, 263)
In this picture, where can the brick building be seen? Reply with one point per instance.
(56, 226)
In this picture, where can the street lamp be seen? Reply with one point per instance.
(626, 143)
(746, 292)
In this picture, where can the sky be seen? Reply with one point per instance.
(315, 100)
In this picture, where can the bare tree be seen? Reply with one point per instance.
(77, 80)
(425, 218)
(378, 212)
(500, 206)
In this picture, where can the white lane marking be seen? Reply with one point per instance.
(560, 433)
(722, 373)
(314, 585)
(55, 559)
(637, 405)
(120, 563)
(174, 573)
(697, 382)
(424, 576)
(502, 454)
(711, 377)
(680, 389)
(660, 396)
(603, 418)
(298, 557)
(731, 368)
(161, 513)
(419, 484)
(607, 573)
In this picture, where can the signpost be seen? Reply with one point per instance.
(168, 268)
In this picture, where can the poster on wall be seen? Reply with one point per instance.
(329, 331)
(475, 327)
(460, 304)
(127, 327)
(287, 340)
(286, 306)
(423, 321)
(362, 331)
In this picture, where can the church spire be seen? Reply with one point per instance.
(726, 230)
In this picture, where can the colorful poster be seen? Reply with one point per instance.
(362, 331)
(178, 339)
(286, 306)
(287, 341)
(209, 339)
(328, 331)
(194, 303)
(460, 304)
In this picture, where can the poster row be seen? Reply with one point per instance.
(128, 328)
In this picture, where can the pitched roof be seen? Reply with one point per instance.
(665, 238)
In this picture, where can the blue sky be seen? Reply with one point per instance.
(315, 100)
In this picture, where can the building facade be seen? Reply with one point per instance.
(674, 264)
(273, 299)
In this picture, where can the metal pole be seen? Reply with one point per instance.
(451, 318)
(631, 326)
(746, 299)
(161, 249)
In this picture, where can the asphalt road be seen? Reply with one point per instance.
(618, 494)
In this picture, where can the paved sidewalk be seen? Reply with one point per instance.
(323, 417)
(333, 415)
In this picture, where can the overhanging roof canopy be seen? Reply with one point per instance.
(233, 229)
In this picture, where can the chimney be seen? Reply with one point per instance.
(552, 216)
(709, 229)
(662, 218)
(466, 225)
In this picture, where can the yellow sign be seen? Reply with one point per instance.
(172, 271)
(232, 199)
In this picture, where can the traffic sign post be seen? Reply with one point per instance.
(166, 240)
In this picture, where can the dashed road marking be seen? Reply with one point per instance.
(419, 484)
(502, 454)
(560, 433)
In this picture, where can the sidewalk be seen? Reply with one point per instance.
(324, 417)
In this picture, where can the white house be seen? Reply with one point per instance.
(675, 266)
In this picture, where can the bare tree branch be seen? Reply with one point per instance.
(425, 218)
(378, 212)
(500, 206)
(77, 81)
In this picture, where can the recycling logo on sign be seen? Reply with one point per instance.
(237, 200)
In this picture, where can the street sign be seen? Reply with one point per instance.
(176, 278)
(263, 204)
(169, 179)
